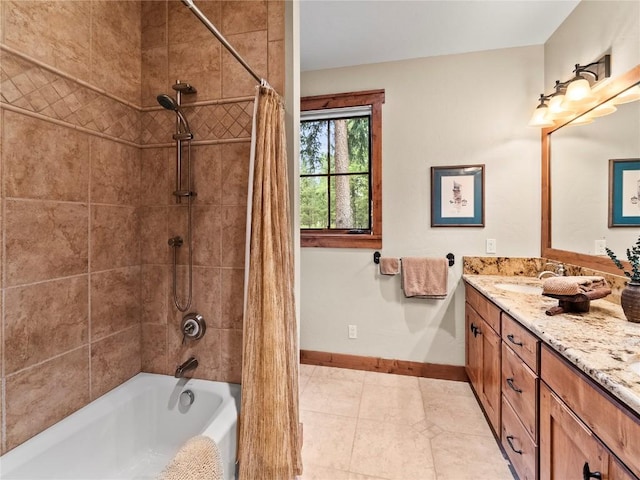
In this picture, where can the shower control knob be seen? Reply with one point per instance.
(193, 326)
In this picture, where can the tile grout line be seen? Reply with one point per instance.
(355, 432)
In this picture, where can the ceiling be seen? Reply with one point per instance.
(340, 33)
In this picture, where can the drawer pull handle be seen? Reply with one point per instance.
(587, 473)
(475, 330)
(510, 442)
(513, 387)
(512, 340)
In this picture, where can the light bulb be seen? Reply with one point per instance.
(578, 90)
(555, 104)
(539, 117)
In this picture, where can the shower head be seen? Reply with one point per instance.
(170, 104)
(167, 102)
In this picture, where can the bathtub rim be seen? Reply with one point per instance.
(226, 416)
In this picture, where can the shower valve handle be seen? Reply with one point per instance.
(193, 327)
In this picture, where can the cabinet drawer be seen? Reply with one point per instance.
(617, 426)
(516, 442)
(520, 388)
(487, 310)
(524, 343)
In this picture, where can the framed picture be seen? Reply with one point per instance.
(624, 192)
(457, 196)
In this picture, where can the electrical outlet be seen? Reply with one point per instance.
(353, 331)
(600, 247)
(491, 245)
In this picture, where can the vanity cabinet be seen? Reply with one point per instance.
(520, 381)
(482, 348)
(553, 421)
(582, 429)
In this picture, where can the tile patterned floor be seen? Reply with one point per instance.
(375, 426)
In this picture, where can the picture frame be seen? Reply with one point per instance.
(624, 192)
(457, 196)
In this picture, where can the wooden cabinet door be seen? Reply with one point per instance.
(473, 347)
(619, 472)
(566, 444)
(491, 375)
(483, 364)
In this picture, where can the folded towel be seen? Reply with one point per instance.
(389, 266)
(197, 459)
(425, 277)
(572, 285)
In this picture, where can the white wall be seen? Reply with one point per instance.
(448, 110)
(592, 29)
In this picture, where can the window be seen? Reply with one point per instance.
(341, 170)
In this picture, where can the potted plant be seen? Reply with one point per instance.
(630, 296)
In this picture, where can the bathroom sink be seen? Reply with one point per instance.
(635, 367)
(520, 288)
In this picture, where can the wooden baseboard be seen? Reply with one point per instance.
(376, 364)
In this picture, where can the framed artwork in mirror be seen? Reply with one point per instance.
(457, 196)
(624, 192)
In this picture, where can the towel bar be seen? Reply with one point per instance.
(450, 256)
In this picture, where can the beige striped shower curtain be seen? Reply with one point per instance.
(269, 446)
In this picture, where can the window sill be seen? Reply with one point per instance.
(340, 240)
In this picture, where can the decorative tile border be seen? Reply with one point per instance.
(35, 88)
(210, 122)
(31, 87)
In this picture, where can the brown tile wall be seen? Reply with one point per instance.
(71, 275)
(71, 279)
(86, 182)
(176, 46)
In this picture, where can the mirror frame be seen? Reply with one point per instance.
(603, 93)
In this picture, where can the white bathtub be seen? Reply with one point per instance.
(132, 432)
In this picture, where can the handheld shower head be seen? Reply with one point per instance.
(167, 102)
(170, 104)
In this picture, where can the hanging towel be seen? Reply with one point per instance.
(389, 266)
(572, 285)
(425, 277)
(197, 459)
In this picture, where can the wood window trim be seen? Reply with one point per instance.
(332, 239)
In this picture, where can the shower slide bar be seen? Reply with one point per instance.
(202, 17)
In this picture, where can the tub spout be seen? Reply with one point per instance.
(190, 364)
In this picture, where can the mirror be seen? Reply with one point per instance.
(575, 181)
(580, 180)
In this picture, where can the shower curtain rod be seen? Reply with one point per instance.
(201, 16)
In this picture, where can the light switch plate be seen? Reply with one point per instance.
(491, 245)
(353, 331)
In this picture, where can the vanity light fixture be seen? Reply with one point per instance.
(540, 117)
(579, 87)
(572, 95)
(558, 107)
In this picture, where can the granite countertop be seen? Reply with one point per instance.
(600, 342)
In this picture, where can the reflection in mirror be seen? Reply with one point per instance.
(580, 178)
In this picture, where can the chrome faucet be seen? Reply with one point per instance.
(558, 270)
(190, 364)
